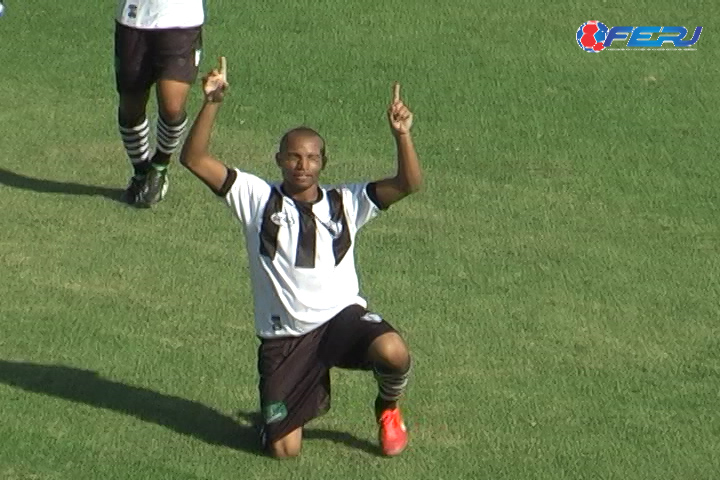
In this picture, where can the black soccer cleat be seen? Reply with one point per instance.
(132, 192)
(154, 189)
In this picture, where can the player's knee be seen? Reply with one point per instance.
(171, 107)
(131, 117)
(282, 449)
(390, 351)
(173, 113)
(172, 97)
(287, 446)
(131, 109)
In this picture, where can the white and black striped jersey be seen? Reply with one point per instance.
(301, 257)
(157, 14)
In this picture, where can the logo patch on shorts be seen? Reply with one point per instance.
(274, 412)
(371, 317)
(198, 54)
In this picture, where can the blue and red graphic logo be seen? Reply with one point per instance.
(591, 36)
(594, 36)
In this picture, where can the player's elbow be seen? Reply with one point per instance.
(186, 157)
(413, 185)
(407, 184)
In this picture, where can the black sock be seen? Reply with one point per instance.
(160, 159)
(141, 169)
(381, 405)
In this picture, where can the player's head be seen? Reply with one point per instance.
(301, 157)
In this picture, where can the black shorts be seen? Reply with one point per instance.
(295, 371)
(142, 57)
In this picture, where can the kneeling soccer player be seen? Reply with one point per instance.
(300, 239)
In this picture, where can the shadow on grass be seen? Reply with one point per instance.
(16, 180)
(320, 434)
(181, 415)
(85, 386)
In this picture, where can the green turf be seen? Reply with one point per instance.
(558, 279)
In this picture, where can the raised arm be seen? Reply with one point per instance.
(409, 175)
(195, 155)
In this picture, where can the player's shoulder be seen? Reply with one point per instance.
(348, 188)
(360, 193)
(247, 176)
(238, 181)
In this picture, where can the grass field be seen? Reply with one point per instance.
(558, 279)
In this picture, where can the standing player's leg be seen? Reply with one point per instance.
(133, 77)
(172, 118)
(176, 53)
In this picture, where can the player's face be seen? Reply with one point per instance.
(302, 162)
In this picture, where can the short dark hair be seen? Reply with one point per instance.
(303, 130)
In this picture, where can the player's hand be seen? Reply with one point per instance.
(215, 83)
(399, 115)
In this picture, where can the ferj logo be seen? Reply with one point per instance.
(595, 36)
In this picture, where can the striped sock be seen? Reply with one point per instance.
(391, 384)
(168, 138)
(137, 145)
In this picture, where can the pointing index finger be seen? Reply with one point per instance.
(396, 92)
(223, 67)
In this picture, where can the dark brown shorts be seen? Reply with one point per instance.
(295, 371)
(142, 57)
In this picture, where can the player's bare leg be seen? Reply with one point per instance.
(135, 133)
(172, 121)
(288, 446)
(391, 359)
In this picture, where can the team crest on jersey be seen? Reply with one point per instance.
(335, 229)
(281, 218)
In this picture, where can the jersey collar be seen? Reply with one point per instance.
(318, 199)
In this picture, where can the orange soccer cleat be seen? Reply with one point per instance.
(393, 433)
